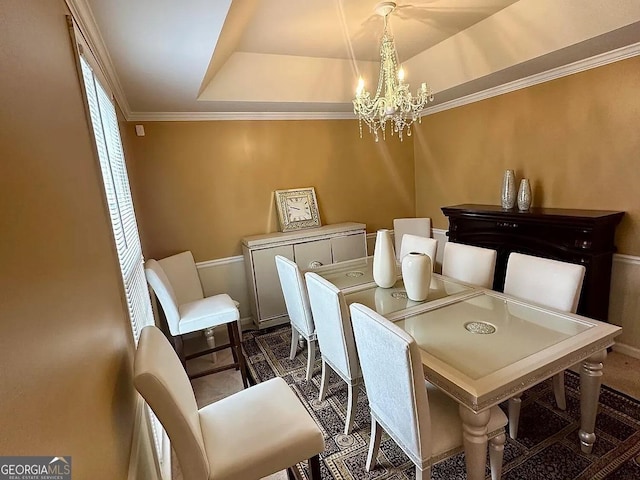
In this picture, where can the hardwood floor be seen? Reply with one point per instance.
(622, 373)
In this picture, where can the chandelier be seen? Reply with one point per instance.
(392, 102)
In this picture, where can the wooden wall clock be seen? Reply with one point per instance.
(297, 209)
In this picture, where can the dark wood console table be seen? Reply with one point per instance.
(585, 237)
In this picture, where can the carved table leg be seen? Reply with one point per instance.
(590, 380)
(474, 437)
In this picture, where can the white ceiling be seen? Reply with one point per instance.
(206, 57)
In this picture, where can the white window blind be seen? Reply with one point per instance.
(123, 220)
(119, 201)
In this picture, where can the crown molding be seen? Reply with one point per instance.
(83, 16)
(553, 74)
(208, 116)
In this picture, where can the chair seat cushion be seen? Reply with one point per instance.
(257, 432)
(446, 426)
(207, 312)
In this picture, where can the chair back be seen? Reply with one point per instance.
(416, 243)
(469, 264)
(295, 295)
(183, 275)
(333, 326)
(161, 380)
(164, 292)
(544, 281)
(394, 380)
(414, 226)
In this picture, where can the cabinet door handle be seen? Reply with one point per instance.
(506, 225)
(584, 244)
(315, 264)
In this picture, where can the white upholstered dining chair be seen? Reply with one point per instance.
(422, 420)
(248, 435)
(416, 243)
(414, 226)
(177, 286)
(469, 264)
(335, 339)
(549, 283)
(300, 316)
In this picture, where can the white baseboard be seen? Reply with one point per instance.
(246, 323)
(627, 350)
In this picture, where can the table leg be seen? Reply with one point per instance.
(515, 403)
(590, 380)
(474, 437)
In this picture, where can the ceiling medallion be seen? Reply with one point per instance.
(392, 102)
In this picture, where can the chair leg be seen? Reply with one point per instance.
(239, 356)
(314, 467)
(374, 444)
(294, 343)
(209, 335)
(311, 357)
(178, 345)
(423, 474)
(558, 390)
(352, 403)
(496, 452)
(232, 341)
(324, 381)
(514, 415)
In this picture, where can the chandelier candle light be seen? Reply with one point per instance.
(393, 102)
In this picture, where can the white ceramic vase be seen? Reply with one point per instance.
(508, 197)
(416, 274)
(384, 260)
(524, 195)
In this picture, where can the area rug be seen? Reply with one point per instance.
(547, 447)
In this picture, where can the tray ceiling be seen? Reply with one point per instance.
(224, 57)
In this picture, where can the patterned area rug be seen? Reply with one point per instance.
(547, 447)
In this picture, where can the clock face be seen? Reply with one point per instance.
(298, 209)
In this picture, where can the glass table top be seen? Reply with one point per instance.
(351, 273)
(480, 335)
(389, 300)
(479, 346)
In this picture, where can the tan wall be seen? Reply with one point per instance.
(202, 186)
(575, 138)
(65, 344)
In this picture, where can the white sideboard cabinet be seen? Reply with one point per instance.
(310, 248)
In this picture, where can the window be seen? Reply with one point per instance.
(119, 201)
(123, 220)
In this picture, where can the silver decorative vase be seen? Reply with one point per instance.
(508, 197)
(524, 195)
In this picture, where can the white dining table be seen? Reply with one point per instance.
(483, 347)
